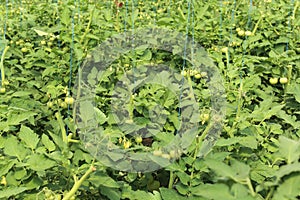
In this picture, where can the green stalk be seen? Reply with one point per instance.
(250, 187)
(256, 25)
(2, 65)
(78, 183)
(199, 141)
(170, 186)
(87, 30)
(62, 127)
(78, 95)
(295, 9)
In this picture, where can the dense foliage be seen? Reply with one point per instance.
(255, 46)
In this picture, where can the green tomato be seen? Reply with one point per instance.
(203, 74)
(197, 76)
(248, 33)
(2, 90)
(24, 49)
(173, 154)
(138, 139)
(241, 33)
(224, 49)
(283, 80)
(166, 156)
(49, 104)
(6, 82)
(58, 197)
(63, 104)
(157, 152)
(69, 100)
(273, 81)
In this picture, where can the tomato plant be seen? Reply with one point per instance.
(43, 46)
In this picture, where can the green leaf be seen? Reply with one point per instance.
(220, 168)
(65, 16)
(227, 142)
(289, 149)
(101, 179)
(16, 118)
(237, 170)
(112, 193)
(286, 170)
(14, 148)
(212, 191)
(35, 182)
(58, 140)
(241, 192)
(294, 89)
(170, 194)
(48, 143)
(11, 191)
(29, 137)
(86, 112)
(38, 162)
(249, 141)
(260, 171)
(6, 166)
(136, 195)
(290, 119)
(289, 189)
(101, 118)
(266, 110)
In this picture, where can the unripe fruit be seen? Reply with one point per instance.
(197, 76)
(6, 82)
(273, 81)
(283, 80)
(24, 49)
(43, 42)
(157, 152)
(167, 156)
(2, 90)
(49, 104)
(138, 139)
(126, 144)
(248, 33)
(69, 100)
(224, 49)
(241, 33)
(172, 154)
(63, 104)
(203, 74)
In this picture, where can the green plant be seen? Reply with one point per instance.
(257, 155)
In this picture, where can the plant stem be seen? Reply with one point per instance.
(250, 187)
(62, 127)
(170, 186)
(78, 183)
(2, 65)
(87, 30)
(256, 25)
(295, 9)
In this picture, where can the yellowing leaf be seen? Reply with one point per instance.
(41, 33)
